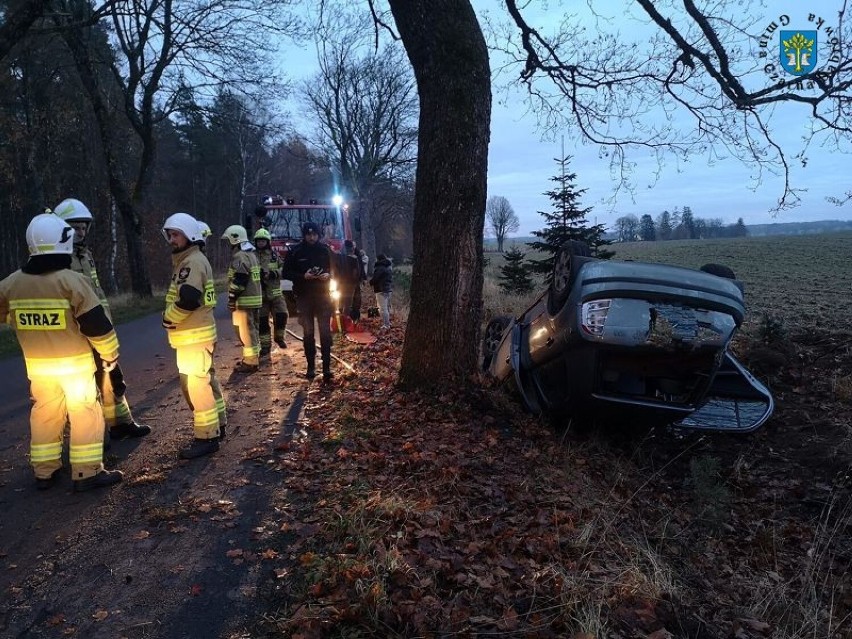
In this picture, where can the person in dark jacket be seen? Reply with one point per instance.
(350, 276)
(308, 265)
(382, 283)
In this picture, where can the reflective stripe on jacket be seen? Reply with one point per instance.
(43, 310)
(83, 263)
(270, 271)
(196, 327)
(247, 295)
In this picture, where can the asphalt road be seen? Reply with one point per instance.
(149, 557)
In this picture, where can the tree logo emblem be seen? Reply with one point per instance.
(798, 51)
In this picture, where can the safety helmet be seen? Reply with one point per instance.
(72, 210)
(204, 230)
(49, 235)
(263, 234)
(184, 223)
(235, 234)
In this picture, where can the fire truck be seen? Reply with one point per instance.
(283, 218)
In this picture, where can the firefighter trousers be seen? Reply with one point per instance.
(277, 308)
(71, 398)
(201, 390)
(111, 387)
(245, 321)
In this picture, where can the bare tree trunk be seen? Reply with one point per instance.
(112, 280)
(450, 60)
(137, 265)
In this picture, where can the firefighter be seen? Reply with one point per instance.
(244, 296)
(112, 387)
(308, 266)
(188, 320)
(273, 300)
(205, 232)
(59, 322)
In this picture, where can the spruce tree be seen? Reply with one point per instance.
(566, 222)
(514, 274)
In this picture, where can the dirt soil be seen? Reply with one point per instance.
(361, 509)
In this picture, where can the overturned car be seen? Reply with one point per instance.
(630, 342)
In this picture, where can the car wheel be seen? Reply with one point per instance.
(564, 272)
(492, 338)
(719, 270)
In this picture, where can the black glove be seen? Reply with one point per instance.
(168, 325)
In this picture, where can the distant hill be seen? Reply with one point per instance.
(799, 228)
(754, 230)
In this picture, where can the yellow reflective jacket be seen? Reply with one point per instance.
(190, 300)
(58, 320)
(83, 263)
(270, 274)
(244, 280)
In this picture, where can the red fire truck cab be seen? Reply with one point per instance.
(283, 218)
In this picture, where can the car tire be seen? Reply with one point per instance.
(492, 337)
(565, 268)
(719, 270)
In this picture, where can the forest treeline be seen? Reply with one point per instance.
(214, 156)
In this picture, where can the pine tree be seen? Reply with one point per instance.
(566, 222)
(514, 274)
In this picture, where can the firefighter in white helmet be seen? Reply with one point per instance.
(204, 231)
(59, 321)
(112, 387)
(188, 320)
(244, 296)
(273, 299)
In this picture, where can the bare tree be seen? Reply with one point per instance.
(365, 108)
(164, 48)
(698, 79)
(627, 228)
(502, 218)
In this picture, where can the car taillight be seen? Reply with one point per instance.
(593, 316)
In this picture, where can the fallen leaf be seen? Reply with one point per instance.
(142, 534)
(100, 615)
(195, 590)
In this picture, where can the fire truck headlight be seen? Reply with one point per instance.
(337, 200)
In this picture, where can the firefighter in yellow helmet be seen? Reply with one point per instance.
(273, 300)
(244, 295)
(188, 320)
(59, 321)
(112, 387)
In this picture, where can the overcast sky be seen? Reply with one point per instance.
(521, 161)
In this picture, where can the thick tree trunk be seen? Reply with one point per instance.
(450, 60)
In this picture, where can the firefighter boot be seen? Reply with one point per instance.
(199, 448)
(280, 324)
(128, 430)
(103, 479)
(43, 483)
